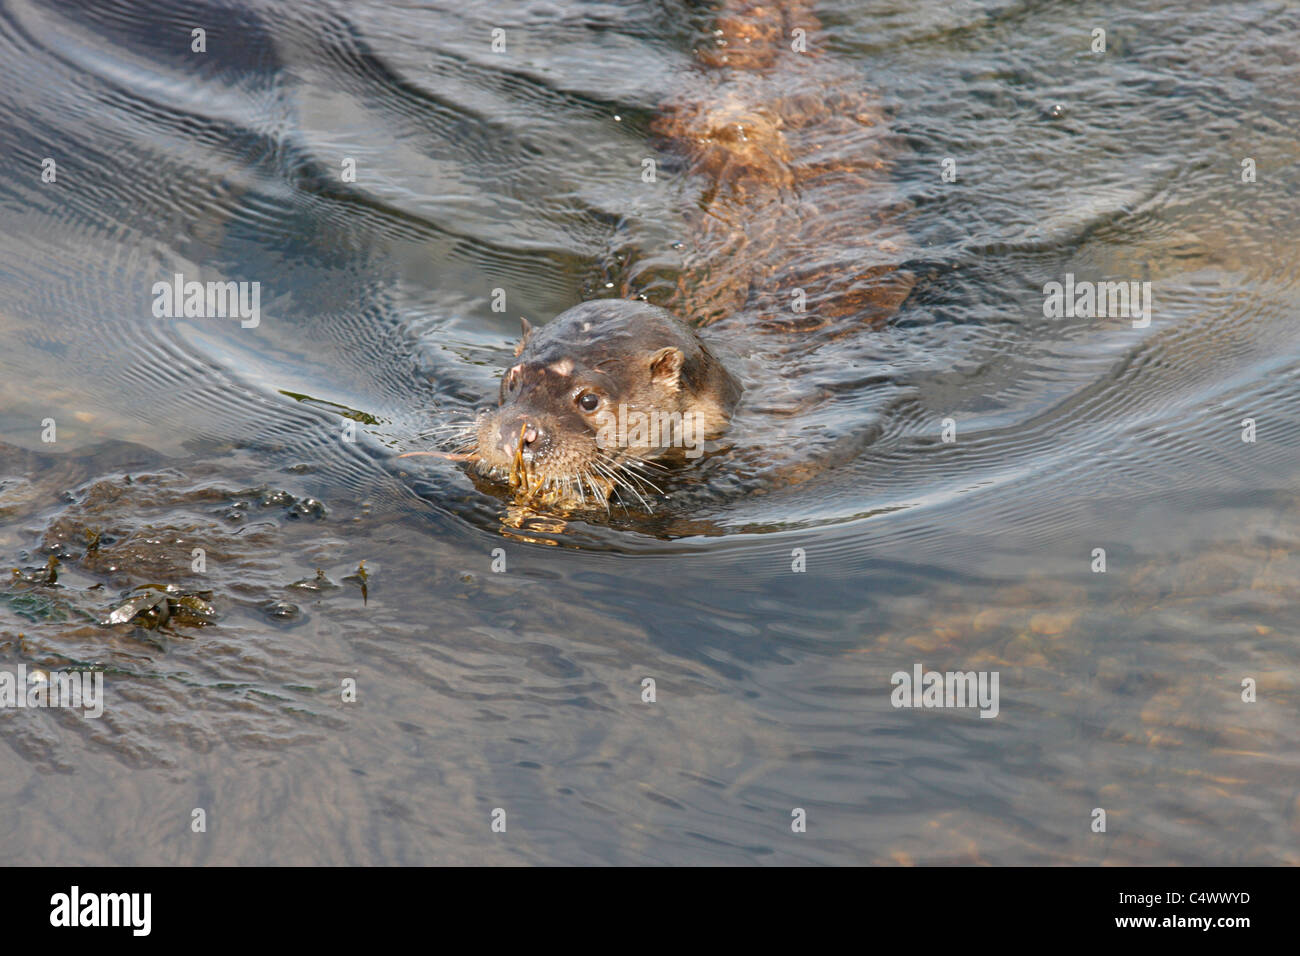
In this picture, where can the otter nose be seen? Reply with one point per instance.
(520, 429)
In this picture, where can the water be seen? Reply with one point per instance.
(522, 690)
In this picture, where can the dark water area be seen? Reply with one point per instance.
(502, 667)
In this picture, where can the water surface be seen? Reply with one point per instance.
(522, 690)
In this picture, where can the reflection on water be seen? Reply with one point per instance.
(493, 672)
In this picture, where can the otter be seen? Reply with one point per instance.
(600, 397)
(789, 157)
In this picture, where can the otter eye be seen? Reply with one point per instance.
(588, 401)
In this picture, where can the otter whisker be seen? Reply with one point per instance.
(641, 480)
(615, 484)
(445, 455)
(599, 497)
(638, 465)
(633, 466)
(454, 423)
(621, 480)
(453, 427)
(632, 475)
(585, 475)
(646, 463)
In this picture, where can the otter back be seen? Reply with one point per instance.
(794, 217)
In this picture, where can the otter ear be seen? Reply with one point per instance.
(528, 331)
(666, 366)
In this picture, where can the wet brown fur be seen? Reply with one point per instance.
(792, 153)
(788, 148)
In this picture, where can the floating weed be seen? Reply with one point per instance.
(46, 575)
(161, 604)
(360, 578)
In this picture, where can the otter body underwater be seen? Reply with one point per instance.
(789, 158)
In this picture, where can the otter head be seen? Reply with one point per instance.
(599, 395)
